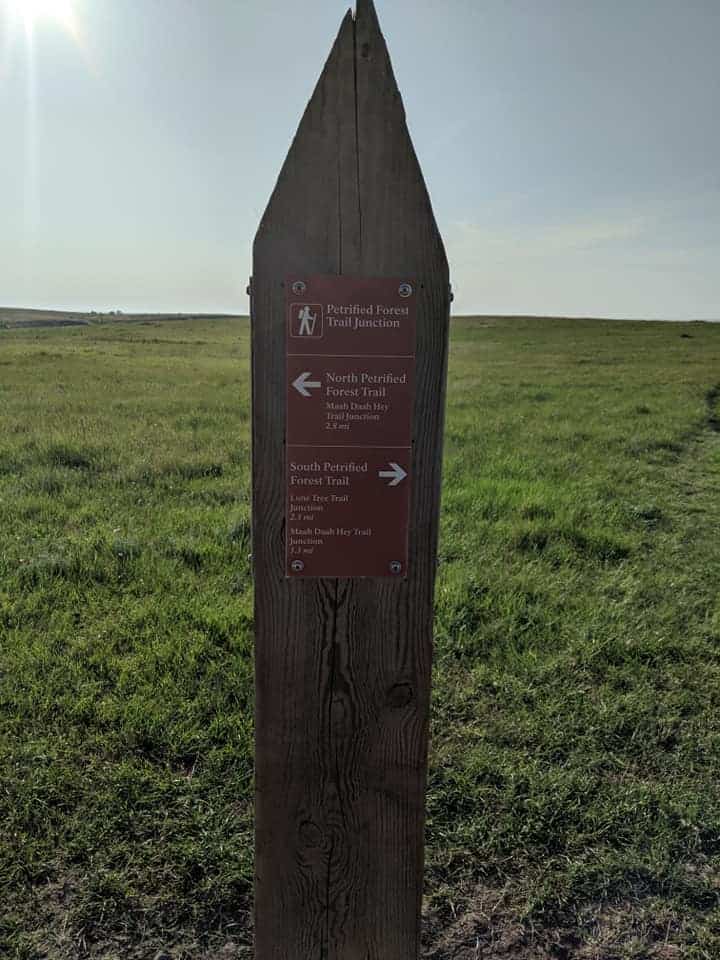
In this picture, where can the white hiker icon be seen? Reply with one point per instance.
(307, 322)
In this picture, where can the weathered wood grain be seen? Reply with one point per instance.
(343, 666)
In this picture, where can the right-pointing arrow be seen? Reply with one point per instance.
(302, 383)
(395, 475)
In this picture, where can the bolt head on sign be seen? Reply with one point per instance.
(350, 363)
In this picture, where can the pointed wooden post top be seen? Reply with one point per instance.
(353, 136)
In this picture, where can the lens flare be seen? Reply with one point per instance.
(21, 24)
(33, 12)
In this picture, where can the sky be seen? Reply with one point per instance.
(571, 147)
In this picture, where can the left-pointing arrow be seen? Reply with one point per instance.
(302, 383)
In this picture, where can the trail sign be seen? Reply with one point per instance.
(350, 305)
(351, 378)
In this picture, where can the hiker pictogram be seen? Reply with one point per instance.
(306, 320)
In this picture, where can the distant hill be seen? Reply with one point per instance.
(12, 318)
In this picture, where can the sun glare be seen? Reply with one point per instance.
(34, 12)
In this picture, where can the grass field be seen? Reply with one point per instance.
(574, 801)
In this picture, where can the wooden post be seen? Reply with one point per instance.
(349, 292)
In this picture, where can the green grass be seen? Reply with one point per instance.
(574, 802)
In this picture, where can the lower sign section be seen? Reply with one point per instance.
(347, 511)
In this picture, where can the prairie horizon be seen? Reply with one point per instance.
(12, 318)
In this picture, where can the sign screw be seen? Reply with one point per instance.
(297, 565)
(299, 287)
(395, 566)
(405, 290)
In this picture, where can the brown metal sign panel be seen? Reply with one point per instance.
(350, 382)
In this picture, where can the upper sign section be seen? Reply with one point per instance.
(350, 316)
